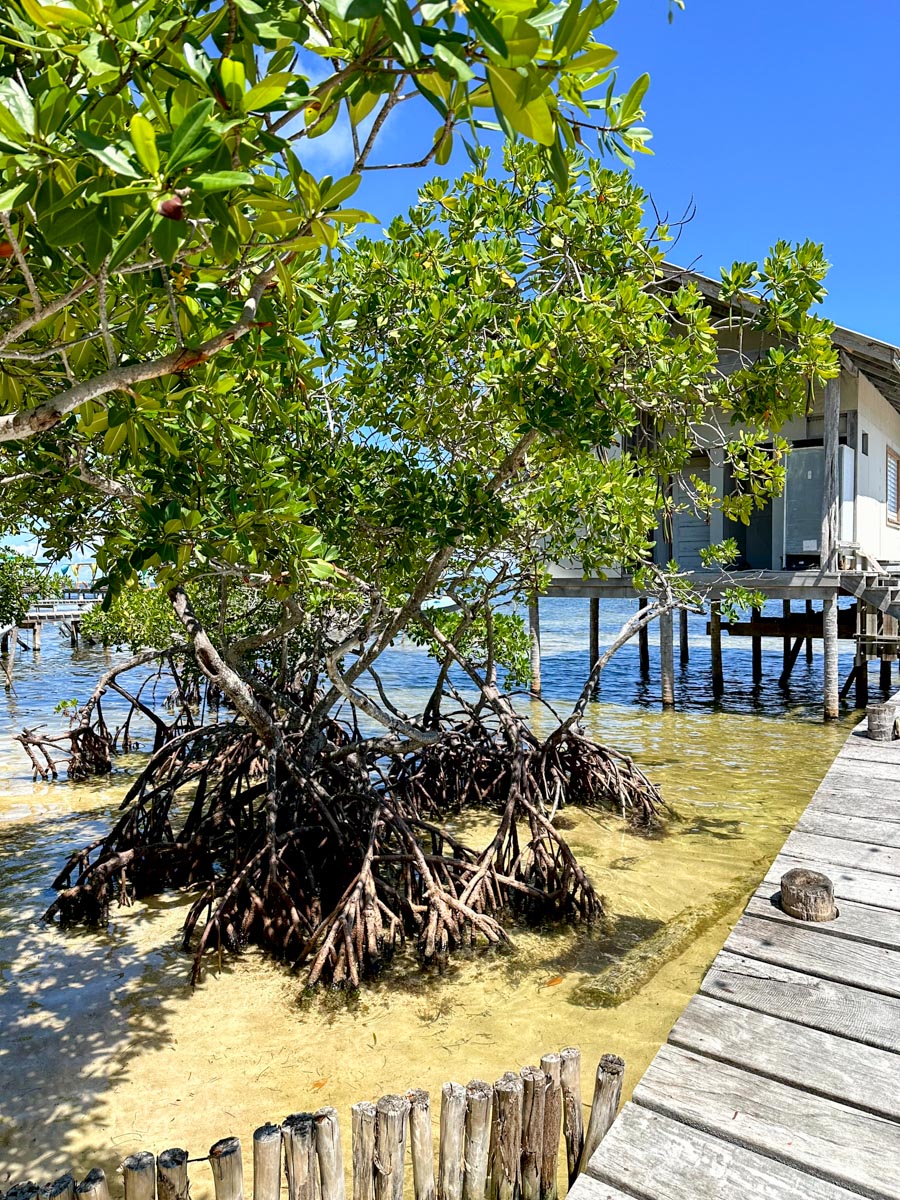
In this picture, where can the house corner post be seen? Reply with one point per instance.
(828, 546)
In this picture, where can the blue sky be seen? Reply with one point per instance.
(778, 118)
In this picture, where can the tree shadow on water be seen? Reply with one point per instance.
(75, 1006)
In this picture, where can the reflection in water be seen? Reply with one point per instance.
(105, 1050)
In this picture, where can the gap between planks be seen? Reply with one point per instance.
(656, 1158)
(806, 1000)
(809, 1060)
(840, 1143)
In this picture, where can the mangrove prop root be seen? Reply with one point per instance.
(332, 860)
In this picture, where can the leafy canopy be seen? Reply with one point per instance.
(510, 376)
(503, 307)
(154, 201)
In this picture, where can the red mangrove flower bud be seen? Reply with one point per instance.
(173, 208)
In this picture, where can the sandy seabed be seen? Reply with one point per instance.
(105, 1050)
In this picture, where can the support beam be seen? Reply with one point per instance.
(789, 662)
(809, 641)
(786, 644)
(862, 681)
(756, 640)
(715, 647)
(683, 647)
(884, 676)
(830, 491)
(594, 630)
(667, 659)
(848, 683)
(36, 635)
(830, 638)
(534, 630)
(644, 644)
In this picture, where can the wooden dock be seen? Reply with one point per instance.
(782, 1077)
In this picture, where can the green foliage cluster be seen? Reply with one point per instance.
(503, 306)
(151, 161)
(487, 639)
(136, 618)
(22, 579)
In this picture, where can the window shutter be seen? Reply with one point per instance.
(893, 486)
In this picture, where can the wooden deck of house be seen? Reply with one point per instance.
(782, 1077)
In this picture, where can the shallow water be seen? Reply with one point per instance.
(105, 1050)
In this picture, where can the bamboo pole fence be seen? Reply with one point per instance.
(495, 1142)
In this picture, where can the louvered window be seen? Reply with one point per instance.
(893, 487)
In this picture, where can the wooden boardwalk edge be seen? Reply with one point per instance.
(781, 1079)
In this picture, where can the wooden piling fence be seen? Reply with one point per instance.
(499, 1142)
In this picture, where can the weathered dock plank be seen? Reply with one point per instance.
(589, 1188)
(837, 1008)
(675, 1162)
(782, 1077)
(835, 1141)
(862, 801)
(864, 750)
(851, 828)
(858, 963)
(828, 1065)
(870, 857)
(856, 772)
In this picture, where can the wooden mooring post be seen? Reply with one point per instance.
(607, 1094)
(884, 675)
(832, 705)
(684, 649)
(594, 631)
(667, 659)
(756, 643)
(172, 1174)
(643, 643)
(479, 1101)
(715, 648)
(862, 681)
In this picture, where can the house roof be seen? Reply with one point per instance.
(878, 361)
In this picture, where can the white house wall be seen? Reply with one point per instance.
(881, 422)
